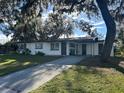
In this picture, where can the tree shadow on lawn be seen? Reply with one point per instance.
(95, 61)
(15, 62)
(26, 58)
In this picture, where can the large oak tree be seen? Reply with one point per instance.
(111, 11)
(38, 29)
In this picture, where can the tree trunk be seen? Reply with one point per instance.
(111, 29)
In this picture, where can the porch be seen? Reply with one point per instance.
(80, 49)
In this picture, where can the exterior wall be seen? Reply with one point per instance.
(67, 48)
(89, 49)
(92, 49)
(31, 47)
(46, 49)
(95, 49)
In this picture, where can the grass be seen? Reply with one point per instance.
(12, 63)
(90, 76)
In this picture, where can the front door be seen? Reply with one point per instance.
(63, 48)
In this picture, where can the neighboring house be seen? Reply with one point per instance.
(68, 46)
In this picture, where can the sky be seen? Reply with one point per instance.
(98, 24)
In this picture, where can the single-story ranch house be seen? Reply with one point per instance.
(68, 46)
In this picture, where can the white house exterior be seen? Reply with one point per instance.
(66, 47)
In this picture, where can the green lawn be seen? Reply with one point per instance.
(12, 63)
(90, 76)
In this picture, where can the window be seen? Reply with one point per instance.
(38, 46)
(54, 46)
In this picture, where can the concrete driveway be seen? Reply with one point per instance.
(29, 79)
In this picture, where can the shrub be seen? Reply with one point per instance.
(26, 52)
(120, 51)
(40, 53)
